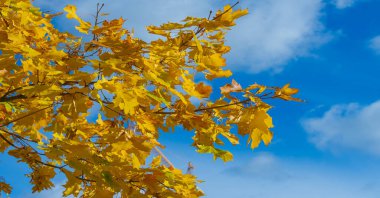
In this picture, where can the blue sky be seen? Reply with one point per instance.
(328, 146)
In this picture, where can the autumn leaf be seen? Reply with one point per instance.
(4, 187)
(94, 107)
(71, 14)
(203, 90)
(260, 88)
(286, 93)
(233, 87)
(3, 72)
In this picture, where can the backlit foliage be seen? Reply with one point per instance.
(50, 82)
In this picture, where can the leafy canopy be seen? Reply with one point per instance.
(51, 80)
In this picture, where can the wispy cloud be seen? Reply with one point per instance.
(276, 32)
(349, 126)
(269, 176)
(139, 13)
(263, 165)
(374, 44)
(342, 4)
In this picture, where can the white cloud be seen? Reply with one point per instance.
(342, 4)
(276, 32)
(375, 44)
(269, 176)
(139, 13)
(347, 127)
(264, 166)
(258, 174)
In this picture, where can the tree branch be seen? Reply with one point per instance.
(208, 108)
(17, 97)
(18, 136)
(22, 117)
(6, 140)
(199, 30)
(4, 20)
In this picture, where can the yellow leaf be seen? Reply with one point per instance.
(198, 44)
(215, 60)
(239, 13)
(199, 90)
(153, 30)
(267, 137)
(120, 146)
(286, 93)
(135, 161)
(232, 138)
(156, 161)
(218, 74)
(71, 14)
(257, 86)
(99, 120)
(53, 81)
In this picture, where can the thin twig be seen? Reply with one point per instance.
(163, 157)
(6, 140)
(199, 30)
(5, 21)
(209, 108)
(226, 11)
(22, 117)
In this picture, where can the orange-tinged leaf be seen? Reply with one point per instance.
(96, 106)
(286, 93)
(5, 187)
(233, 87)
(203, 89)
(3, 72)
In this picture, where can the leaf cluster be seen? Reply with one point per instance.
(51, 82)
